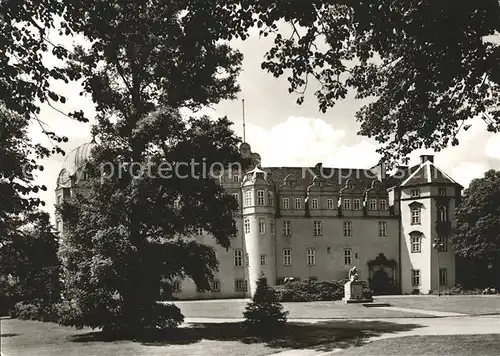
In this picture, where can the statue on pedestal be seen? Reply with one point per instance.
(353, 274)
(353, 290)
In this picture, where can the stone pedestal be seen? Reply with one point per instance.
(353, 293)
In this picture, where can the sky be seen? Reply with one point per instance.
(281, 131)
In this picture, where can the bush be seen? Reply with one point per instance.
(35, 310)
(264, 314)
(312, 290)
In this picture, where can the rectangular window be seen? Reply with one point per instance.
(318, 231)
(199, 231)
(415, 277)
(271, 224)
(287, 257)
(382, 204)
(356, 204)
(415, 244)
(260, 197)
(347, 204)
(415, 192)
(176, 287)
(347, 256)
(58, 225)
(238, 258)
(263, 260)
(240, 285)
(59, 199)
(236, 197)
(248, 198)
(373, 204)
(236, 179)
(382, 228)
(262, 226)
(443, 276)
(415, 216)
(311, 257)
(442, 214)
(444, 241)
(315, 203)
(270, 198)
(287, 228)
(247, 260)
(215, 285)
(442, 192)
(347, 228)
(246, 224)
(329, 204)
(298, 203)
(286, 203)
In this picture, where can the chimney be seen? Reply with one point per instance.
(400, 171)
(425, 158)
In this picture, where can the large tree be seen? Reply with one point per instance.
(18, 170)
(28, 253)
(133, 229)
(426, 65)
(476, 236)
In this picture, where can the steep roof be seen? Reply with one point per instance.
(337, 176)
(425, 173)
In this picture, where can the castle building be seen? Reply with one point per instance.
(319, 222)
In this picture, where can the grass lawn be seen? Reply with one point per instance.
(467, 304)
(23, 338)
(431, 345)
(474, 305)
(312, 310)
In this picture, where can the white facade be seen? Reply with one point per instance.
(317, 223)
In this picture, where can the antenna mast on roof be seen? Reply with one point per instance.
(243, 108)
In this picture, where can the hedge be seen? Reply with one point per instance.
(35, 310)
(313, 290)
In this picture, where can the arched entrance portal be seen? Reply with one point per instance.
(382, 275)
(381, 284)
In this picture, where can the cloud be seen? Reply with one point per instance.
(492, 149)
(303, 141)
(464, 172)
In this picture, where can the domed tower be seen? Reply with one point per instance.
(258, 226)
(71, 176)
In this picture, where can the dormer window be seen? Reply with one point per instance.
(270, 198)
(442, 192)
(347, 204)
(286, 203)
(298, 203)
(356, 204)
(236, 179)
(373, 204)
(382, 204)
(315, 203)
(415, 193)
(259, 175)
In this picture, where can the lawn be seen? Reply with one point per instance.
(467, 304)
(311, 310)
(26, 338)
(473, 305)
(458, 345)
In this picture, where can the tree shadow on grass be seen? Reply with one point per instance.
(323, 336)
